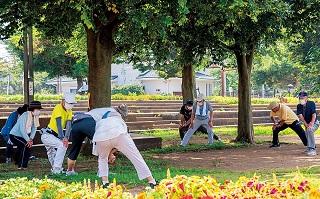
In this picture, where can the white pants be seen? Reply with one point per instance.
(125, 144)
(55, 149)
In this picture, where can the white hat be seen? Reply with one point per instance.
(273, 105)
(123, 109)
(69, 98)
(200, 97)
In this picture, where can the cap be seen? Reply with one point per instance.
(69, 98)
(189, 103)
(123, 109)
(22, 109)
(273, 105)
(35, 105)
(302, 94)
(200, 97)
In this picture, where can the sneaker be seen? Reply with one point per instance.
(275, 146)
(312, 152)
(306, 151)
(8, 160)
(219, 140)
(57, 170)
(105, 185)
(33, 158)
(71, 173)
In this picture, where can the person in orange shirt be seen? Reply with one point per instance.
(287, 119)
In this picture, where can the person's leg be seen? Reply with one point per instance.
(25, 156)
(125, 144)
(9, 151)
(80, 130)
(275, 139)
(103, 149)
(51, 152)
(189, 133)
(182, 131)
(296, 127)
(202, 129)
(21, 144)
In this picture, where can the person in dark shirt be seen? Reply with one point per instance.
(308, 116)
(185, 115)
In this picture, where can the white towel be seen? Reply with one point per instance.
(35, 121)
(204, 112)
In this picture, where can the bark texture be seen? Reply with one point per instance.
(245, 124)
(188, 83)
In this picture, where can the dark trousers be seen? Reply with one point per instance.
(9, 150)
(23, 151)
(296, 127)
(80, 130)
(202, 129)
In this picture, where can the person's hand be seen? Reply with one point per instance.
(309, 126)
(65, 142)
(30, 143)
(112, 158)
(191, 125)
(275, 125)
(210, 123)
(180, 125)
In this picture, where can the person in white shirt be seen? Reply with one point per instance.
(112, 135)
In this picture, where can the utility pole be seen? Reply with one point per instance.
(28, 77)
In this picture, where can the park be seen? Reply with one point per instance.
(253, 53)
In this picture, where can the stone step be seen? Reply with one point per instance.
(141, 141)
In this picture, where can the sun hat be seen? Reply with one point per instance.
(35, 105)
(200, 97)
(69, 98)
(273, 105)
(123, 109)
(303, 94)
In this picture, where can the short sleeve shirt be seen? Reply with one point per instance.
(285, 113)
(186, 113)
(307, 111)
(57, 112)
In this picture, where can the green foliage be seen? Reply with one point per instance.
(128, 89)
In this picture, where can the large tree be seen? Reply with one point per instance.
(101, 20)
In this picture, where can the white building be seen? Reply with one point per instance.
(124, 74)
(152, 84)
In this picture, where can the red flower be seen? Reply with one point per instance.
(181, 185)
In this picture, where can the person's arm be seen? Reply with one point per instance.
(211, 118)
(191, 121)
(22, 126)
(313, 119)
(68, 129)
(60, 129)
(181, 120)
(303, 120)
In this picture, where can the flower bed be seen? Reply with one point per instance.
(178, 187)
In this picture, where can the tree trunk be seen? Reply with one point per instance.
(188, 82)
(100, 51)
(245, 124)
(79, 82)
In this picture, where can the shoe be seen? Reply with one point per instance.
(71, 173)
(219, 140)
(8, 160)
(57, 170)
(33, 158)
(306, 151)
(275, 146)
(312, 152)
(153, 185)
(105, 185)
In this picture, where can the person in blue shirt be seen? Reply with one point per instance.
(5, 131)
(308, 116)
(22, 134)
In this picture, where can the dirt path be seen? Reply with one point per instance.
(258, 157)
